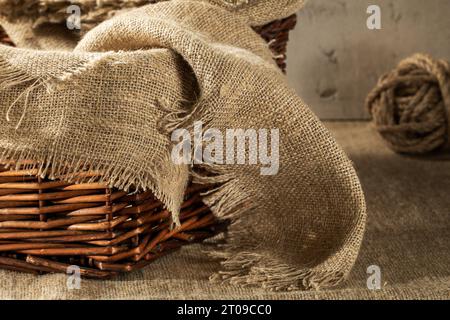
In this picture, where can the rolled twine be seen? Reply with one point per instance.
(411, 105)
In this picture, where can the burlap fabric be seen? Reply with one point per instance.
(112, 102)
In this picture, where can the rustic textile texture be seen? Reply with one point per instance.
(112, 102)
(407, 238)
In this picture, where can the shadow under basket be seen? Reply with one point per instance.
(46, 225)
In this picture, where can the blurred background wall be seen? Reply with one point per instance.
(334, 59)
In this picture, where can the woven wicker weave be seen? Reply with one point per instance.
(89, 225)
(47, 226)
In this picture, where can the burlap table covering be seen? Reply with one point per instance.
(112, 102)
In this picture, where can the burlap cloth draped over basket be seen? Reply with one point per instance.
(112, 102)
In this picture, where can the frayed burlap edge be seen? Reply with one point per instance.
(240, 263)
(55, 164)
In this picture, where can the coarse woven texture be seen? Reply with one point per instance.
(407, 237)
(254, 12)
(112, 103)
(411, 105)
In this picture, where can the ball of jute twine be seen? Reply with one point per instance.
(411, 105)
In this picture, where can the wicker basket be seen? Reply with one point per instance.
(47, 226)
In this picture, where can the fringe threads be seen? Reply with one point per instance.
(54, 164)
(241, 263)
